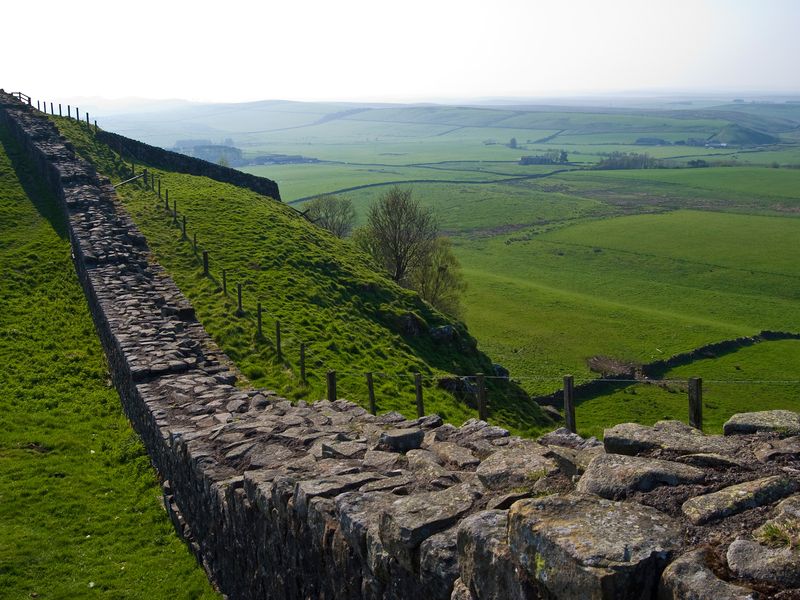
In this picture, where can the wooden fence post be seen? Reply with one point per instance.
(569, 403)
(224, 283)
(696, 403)
(69, 110)
(371, 391)
(77, 115)
(278, 339)
(52, 111)
(88, 126)
(59, 110)
(303, 363)
(481, 381)
(258, 319)
(205, 263)
(239, 310)
(332, 386)
(166, 202)
(39, 108)
(183, 228)
(95, 126)
(174, 211)
(418, 389)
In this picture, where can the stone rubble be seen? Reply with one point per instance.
(323, 500)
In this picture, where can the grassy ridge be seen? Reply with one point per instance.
(320, 288)
(80, 513)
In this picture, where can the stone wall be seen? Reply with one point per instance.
(180, 163)
(327, 501)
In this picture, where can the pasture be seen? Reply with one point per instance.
(80, 505)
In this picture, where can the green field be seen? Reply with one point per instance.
(761, 377)
(80, 506)
(635, 265)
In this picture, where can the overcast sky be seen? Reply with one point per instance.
(400, 50)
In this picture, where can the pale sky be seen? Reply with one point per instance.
(243, 50)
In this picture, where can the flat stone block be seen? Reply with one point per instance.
(582, 546)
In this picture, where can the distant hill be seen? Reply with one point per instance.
(738, 135)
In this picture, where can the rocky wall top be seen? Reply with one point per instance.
(324, 500)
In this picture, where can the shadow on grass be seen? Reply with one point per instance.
(34, 187)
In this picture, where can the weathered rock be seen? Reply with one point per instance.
(564, 437)
(784, 422)
(426, 464)
(342, 449)
(783, 449)
(615, 476)
(380, 461)
(438, 564)
(358, 511)
(328, 487)
(714, 461)
(400, 440)
(674, 436)
(689, 578)
(454, 454)
(485, 560)
(736, 498)
(410, 520)
(778, 566)
(511, 467)
(583, 546)
(461, 591)
(573, 462)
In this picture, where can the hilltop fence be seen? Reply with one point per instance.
(474, 385)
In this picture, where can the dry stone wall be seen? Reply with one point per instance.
(327, 501)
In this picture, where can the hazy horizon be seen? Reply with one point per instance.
(421, 51)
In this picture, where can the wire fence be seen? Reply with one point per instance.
(294, 350)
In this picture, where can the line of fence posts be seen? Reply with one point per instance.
(695, 387)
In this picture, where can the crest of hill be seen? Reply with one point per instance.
(322, 289)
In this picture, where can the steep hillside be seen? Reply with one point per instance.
(80, 510)
(320, 288)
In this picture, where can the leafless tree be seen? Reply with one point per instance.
(438, 278)
(334, 213)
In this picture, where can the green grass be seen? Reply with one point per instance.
(635, 288)
(760, 377)
(80, 512)
(323, 292)
(633, 264)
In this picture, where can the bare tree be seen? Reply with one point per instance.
(334, 213)
(399, 233)
(438, 278)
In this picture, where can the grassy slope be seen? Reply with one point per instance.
(760, 377)
(320, 288)
(80, 512)
(636, 288)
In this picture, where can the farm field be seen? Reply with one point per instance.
(80, 506)
(562, 266)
